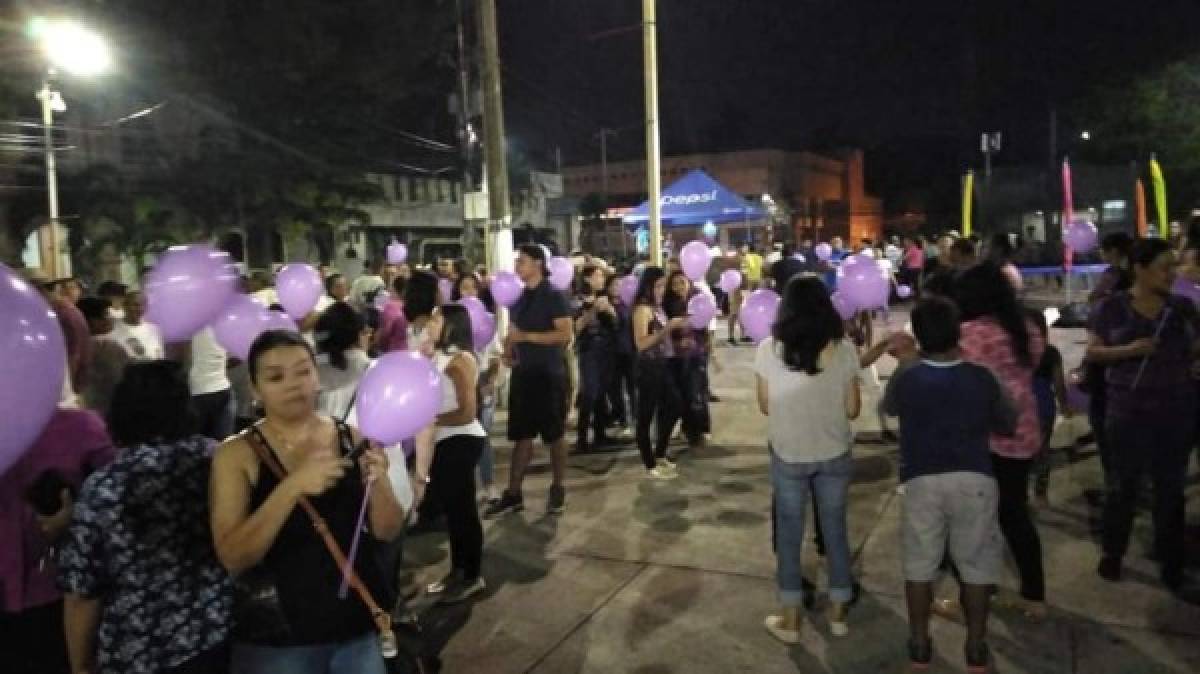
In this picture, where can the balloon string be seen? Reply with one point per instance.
(362, 516)
(1146, 358)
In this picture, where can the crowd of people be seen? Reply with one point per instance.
(183, 509)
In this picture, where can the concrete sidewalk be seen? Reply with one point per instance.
(658, 577)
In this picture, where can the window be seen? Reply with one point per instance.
(1113, 211)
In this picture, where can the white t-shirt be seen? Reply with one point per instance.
(807, 413)
(141, 341)
(207, 373)
(397, 469)
(338, 387)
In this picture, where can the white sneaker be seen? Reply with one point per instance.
(774, 625)
(661, 472)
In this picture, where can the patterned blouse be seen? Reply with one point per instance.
(985, 343)
(140, 542)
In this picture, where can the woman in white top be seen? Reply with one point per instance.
(808, 387)
(342, 359)
(458, 438)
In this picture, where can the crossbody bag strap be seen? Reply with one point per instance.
(383, 619)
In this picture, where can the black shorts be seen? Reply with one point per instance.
(537, 405)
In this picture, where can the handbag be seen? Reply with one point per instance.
(382, 619)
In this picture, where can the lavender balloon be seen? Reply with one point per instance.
(1185, 287)
(695, 258)
(186, 290)
(864, 284)
(627, 289)
(242, 321)
(903, 291)
(33, 369)
(758, 313)
(397, 253)
(398, 396)
(702, 308)
(823, 251)
(299, 287)
(277, 320)
(1080, 235)
(483, 323)
(844, 307)
(562, 272)
(731, 280)
(506, 288)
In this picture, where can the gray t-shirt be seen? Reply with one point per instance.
(807, 420)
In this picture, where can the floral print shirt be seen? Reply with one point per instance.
(985, 343)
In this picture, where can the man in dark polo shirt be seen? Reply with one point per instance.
(786, 267)
(537, 406)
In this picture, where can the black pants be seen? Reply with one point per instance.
(33, 642)
(595, 371)
(623, 381)
(214, 414)
(1097, 418)
(689, 376)
(213, 661)
(1158, 446)
(452, 480)
(658, 403)
(1012, 484)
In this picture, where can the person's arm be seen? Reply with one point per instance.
(81, 621)
(853, 390)
(423, 453)
(461, 372)
(385, 515)
(868, 357)
(1099, 352)
(762, 394)
(242, 538)
(585, 319)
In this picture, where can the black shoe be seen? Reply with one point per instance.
(732, 342)
(1173, 577)
(920, 655)
(747, 340)
(1110, 569)
(978, 659)
(556, 501)
(509, 502)
(889, 436)
(712, 398)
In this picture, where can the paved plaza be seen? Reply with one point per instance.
(676, 577)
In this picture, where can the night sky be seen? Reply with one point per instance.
(914, 83)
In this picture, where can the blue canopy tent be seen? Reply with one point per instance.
(696, 199)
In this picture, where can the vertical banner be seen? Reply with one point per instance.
(1139, 197)
(1068, 197)
(968, 192)
(1160, 196)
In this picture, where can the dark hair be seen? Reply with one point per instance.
(338, 329)
(398, 285)
(610, 281)
(420, 295)
(806, 324)
(1039, 321)
(537, 253)
(269, 341)
(673, 304)
(329, 282)
(456, 329)
(964, 246)
(151, 404)
(93, 308)
(936, 324)
(588, 270)
(788, 250)
(1000, 247)
(983, 291)
(111, 289)
(1118, 241)
(456, 293)
(645, 289)
(1145, 251)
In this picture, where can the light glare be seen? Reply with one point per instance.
(73, 48)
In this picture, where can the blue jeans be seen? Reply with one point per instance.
(357, 656)
(487, 460)
(829, 481)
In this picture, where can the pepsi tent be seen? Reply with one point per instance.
(696, 199)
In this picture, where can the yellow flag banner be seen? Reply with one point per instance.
(1160, 196)
(968, 192)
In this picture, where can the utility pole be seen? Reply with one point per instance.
(466, 135)
(49, 100)
(653, 151)
(499, 234)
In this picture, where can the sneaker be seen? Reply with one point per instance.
(661, 472)
(920, 655)
(732, 342)
(837, 621)
(626, 433)
(1110, 569)
(463, 590)
(556, 502)
(978, 659)
(508, 502)
(774, 625)
(713, 398)
(448, 581)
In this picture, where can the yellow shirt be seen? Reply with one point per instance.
(752, 264)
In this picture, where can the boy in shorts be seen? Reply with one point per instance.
(947, 410)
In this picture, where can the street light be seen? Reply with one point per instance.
(69, 46)
(1085, 135)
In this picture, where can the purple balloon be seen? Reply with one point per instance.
(446, 290)
(1081, 236)
(186, 290)
(823, 251)
(731, 280)
(397, 253)
(562, 272)
(695, 258)
(863, 283)
(758, 313)
(483, 323)
(33, 369)
(903, 291)
(627, 289)
(506, 288)
(702, 308)
(844, 307)
(1185, 287)
(400, 394)
(242, 321)
(299, 287)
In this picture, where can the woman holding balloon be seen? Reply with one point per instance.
(658, 400)
(595, 342)
(289, 617)
(620, 292)
(688, 365)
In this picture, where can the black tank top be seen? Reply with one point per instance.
(306, 575)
